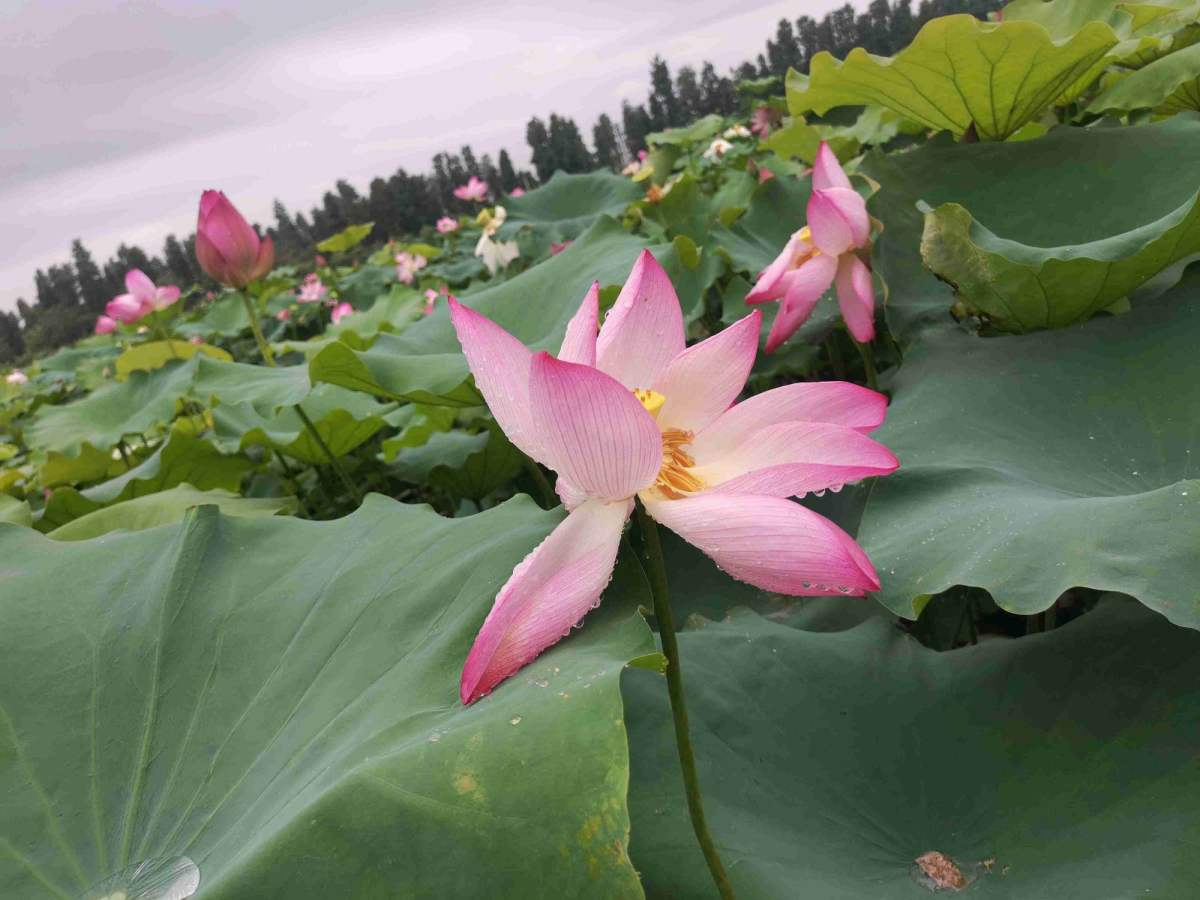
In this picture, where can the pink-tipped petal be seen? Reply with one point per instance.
(702, 381)
(834, 402)
(770, 284)
(138, 283)
(500, 364)
(126, 308)
(772, 543)
(803, 288)
(856, 297)
(644, 329)
(210, 258)
(838, 221)
(579, 343)
(546, 596)
(105, 325)
(165, 296)
(827, 171)
(793, 458)
(265, 260)
(593, 431)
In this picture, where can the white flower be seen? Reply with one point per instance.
(16, 377)
(495, 254)
(717, 149)
(737, 131)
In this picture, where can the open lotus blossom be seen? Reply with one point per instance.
(312, 289)
(761, 121)
(474, 189)
(16, 377)
(495, 254)
(447, 225)
(408, 265)
(717, 149)
(340, 312)
(735, 132)
(825, 251)
(227, 248)
(143, 298)
(105, 325)
(633, 412)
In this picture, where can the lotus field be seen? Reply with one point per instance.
(811, 510)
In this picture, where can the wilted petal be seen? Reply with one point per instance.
(770, 284)
(856, 297)
(579, 343)
(701, 382)
(592, 430)
(772, 543)
(794, 458)
(500, 364)
(644, 330)
(827, 171)
(547, 595)
(803, 287)
(834, 402)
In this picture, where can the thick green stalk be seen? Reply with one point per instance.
(657, 572)
(867, 352)
(269, 358)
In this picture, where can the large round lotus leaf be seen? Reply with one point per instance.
(960, 72)
(264, 388)
(1071, 187)
(567, 205)
(277, 701)
(1061, 765)
(1032, 464)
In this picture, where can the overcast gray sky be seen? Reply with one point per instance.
(115, 115)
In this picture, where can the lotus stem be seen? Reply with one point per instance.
(683, 741)
(867, 352)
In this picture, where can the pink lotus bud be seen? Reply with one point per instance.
(319, 261)
(227, 248)
(447, 225)
(105, 325)
(341, 311)
(474, 189)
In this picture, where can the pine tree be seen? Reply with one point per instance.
(664, 105)
(807, 41)
(904, 26)
(691, 97)
(538, 139)
(637, 124)
(93, 289)
(469, 162)
(604, 139)
(178, 263)
(290, 244)
(489, 173)
(570, 153)
(354, 207)
(720, 95)
(508, 175)
(784, 52)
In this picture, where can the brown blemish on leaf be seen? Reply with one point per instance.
(941, 871)
(466, 783)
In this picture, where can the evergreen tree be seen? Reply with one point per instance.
(569, 151)
(469, 162)
(290, 244)
(12, 342)
(93, 289)
(807, 41)
(691, 97)
(538, 139)
(720, 95)
(508, 175)
(335, 219)
(637, 124)
(604, 139)
(903, 25)
(354, 207)
(382, 209)
(783, 53)
(489, 173)
(665, 110)
(178, 263)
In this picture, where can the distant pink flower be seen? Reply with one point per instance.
(284, 314)
(823, 252)
(474, 189)
(16, 378)
(341, 311)
(407, 266)
(642, 154)
(312, 290)
(196, 339)
(764, 174)
(761, 121)
(227, 248)
(142, 298)
(632, 412)
(556, 249)
(105, 325)
(447, 225)
(319, 261)
(517, 192)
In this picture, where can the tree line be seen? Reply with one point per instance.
(69, 296)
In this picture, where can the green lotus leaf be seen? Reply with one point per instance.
(960, 72)
(393, 311)
(223, 317)
(832, 756)
(265, 388)
(470, 466)
(1167, 86)
(1147, 31)
(567, 205)
(346, 239)
(1033, 464)
(276, 700)
(15, 511)
(156, 354)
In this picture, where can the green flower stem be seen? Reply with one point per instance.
(867, 352)
(657, 571)
(269, 358)
(835, 356)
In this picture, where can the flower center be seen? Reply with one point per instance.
(675, 478)
(652, 400)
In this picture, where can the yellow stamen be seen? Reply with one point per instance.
(652, 400)
(804, 234)
(675, 478)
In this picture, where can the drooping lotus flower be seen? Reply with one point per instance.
(340, 312)
(16, 378)
(312, 289)
(105, 325)
(407, 266)
(825, 251)
(474, 189)
(495, 254)
(227, 248)
(142, 298)
(634, 413)
(447, 225)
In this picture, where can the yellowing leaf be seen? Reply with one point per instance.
(156, 354)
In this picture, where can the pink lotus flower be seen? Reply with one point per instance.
(142, 298)
(431, 297)
(312, 290)
(16, 378)
(761, 121)
(642, 154)
(764, 175)
(556, 249)
(823, 252)
(341, 311)
(284, 314)
(105, 325)
(474, 189)
(517, 192)
(408, 265)
(319, 261)
(227, 248)
(447, 225)
(634, 413)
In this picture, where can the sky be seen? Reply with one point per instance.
(114, 116)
